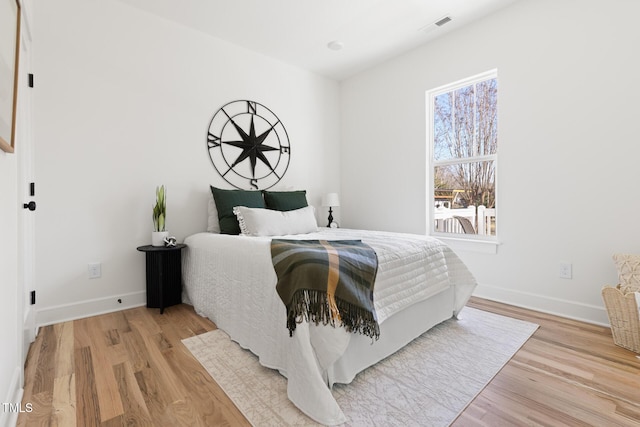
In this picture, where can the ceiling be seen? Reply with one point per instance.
(298, 31)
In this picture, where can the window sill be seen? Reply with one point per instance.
(470, 245)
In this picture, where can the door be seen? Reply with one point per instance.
(26, 195)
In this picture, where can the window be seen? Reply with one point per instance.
(463, 140)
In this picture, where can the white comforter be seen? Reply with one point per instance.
(231, 280)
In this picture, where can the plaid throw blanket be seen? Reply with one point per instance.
(327, 281)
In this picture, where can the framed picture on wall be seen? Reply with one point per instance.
(9, 56)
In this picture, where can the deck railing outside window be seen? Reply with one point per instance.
(483, 220)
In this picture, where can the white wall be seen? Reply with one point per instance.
(568, 145)
(123, 101)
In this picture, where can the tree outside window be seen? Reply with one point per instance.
(464, 141)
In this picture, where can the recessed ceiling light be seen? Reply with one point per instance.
(335, 45)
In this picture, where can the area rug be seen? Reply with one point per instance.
(427, 383)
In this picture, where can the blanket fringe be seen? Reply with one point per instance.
(312, 305)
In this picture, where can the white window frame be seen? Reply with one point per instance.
(467, 242)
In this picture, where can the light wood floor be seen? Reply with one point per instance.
(130, 368)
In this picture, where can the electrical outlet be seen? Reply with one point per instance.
(565, 271)
(95, 270)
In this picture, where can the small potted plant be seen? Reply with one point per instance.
(159, 215)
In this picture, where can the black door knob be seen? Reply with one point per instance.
(31, 206)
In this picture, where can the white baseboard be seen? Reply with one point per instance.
(556, 306)
(11, 404)
(87, 308)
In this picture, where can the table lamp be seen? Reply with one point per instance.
(331, 200)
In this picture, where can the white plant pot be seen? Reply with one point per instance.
(157, 237)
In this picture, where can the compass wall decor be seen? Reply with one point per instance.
(248, 145)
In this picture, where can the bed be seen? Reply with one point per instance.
(229, 277)
(231, 280)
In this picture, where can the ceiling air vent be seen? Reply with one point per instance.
(443, 21)
(435, 25)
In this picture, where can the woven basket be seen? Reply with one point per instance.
(624, 318)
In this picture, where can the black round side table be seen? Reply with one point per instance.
(164, 275)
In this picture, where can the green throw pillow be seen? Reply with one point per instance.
(226, 200)
(285, 200)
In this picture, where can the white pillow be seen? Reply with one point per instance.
(267, 222)
(213, 223)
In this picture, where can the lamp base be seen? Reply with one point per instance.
(330, 217)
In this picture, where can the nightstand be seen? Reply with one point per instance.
(164, 275)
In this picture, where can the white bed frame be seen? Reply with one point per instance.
(395, 333)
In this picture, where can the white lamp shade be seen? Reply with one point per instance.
(330, 199)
